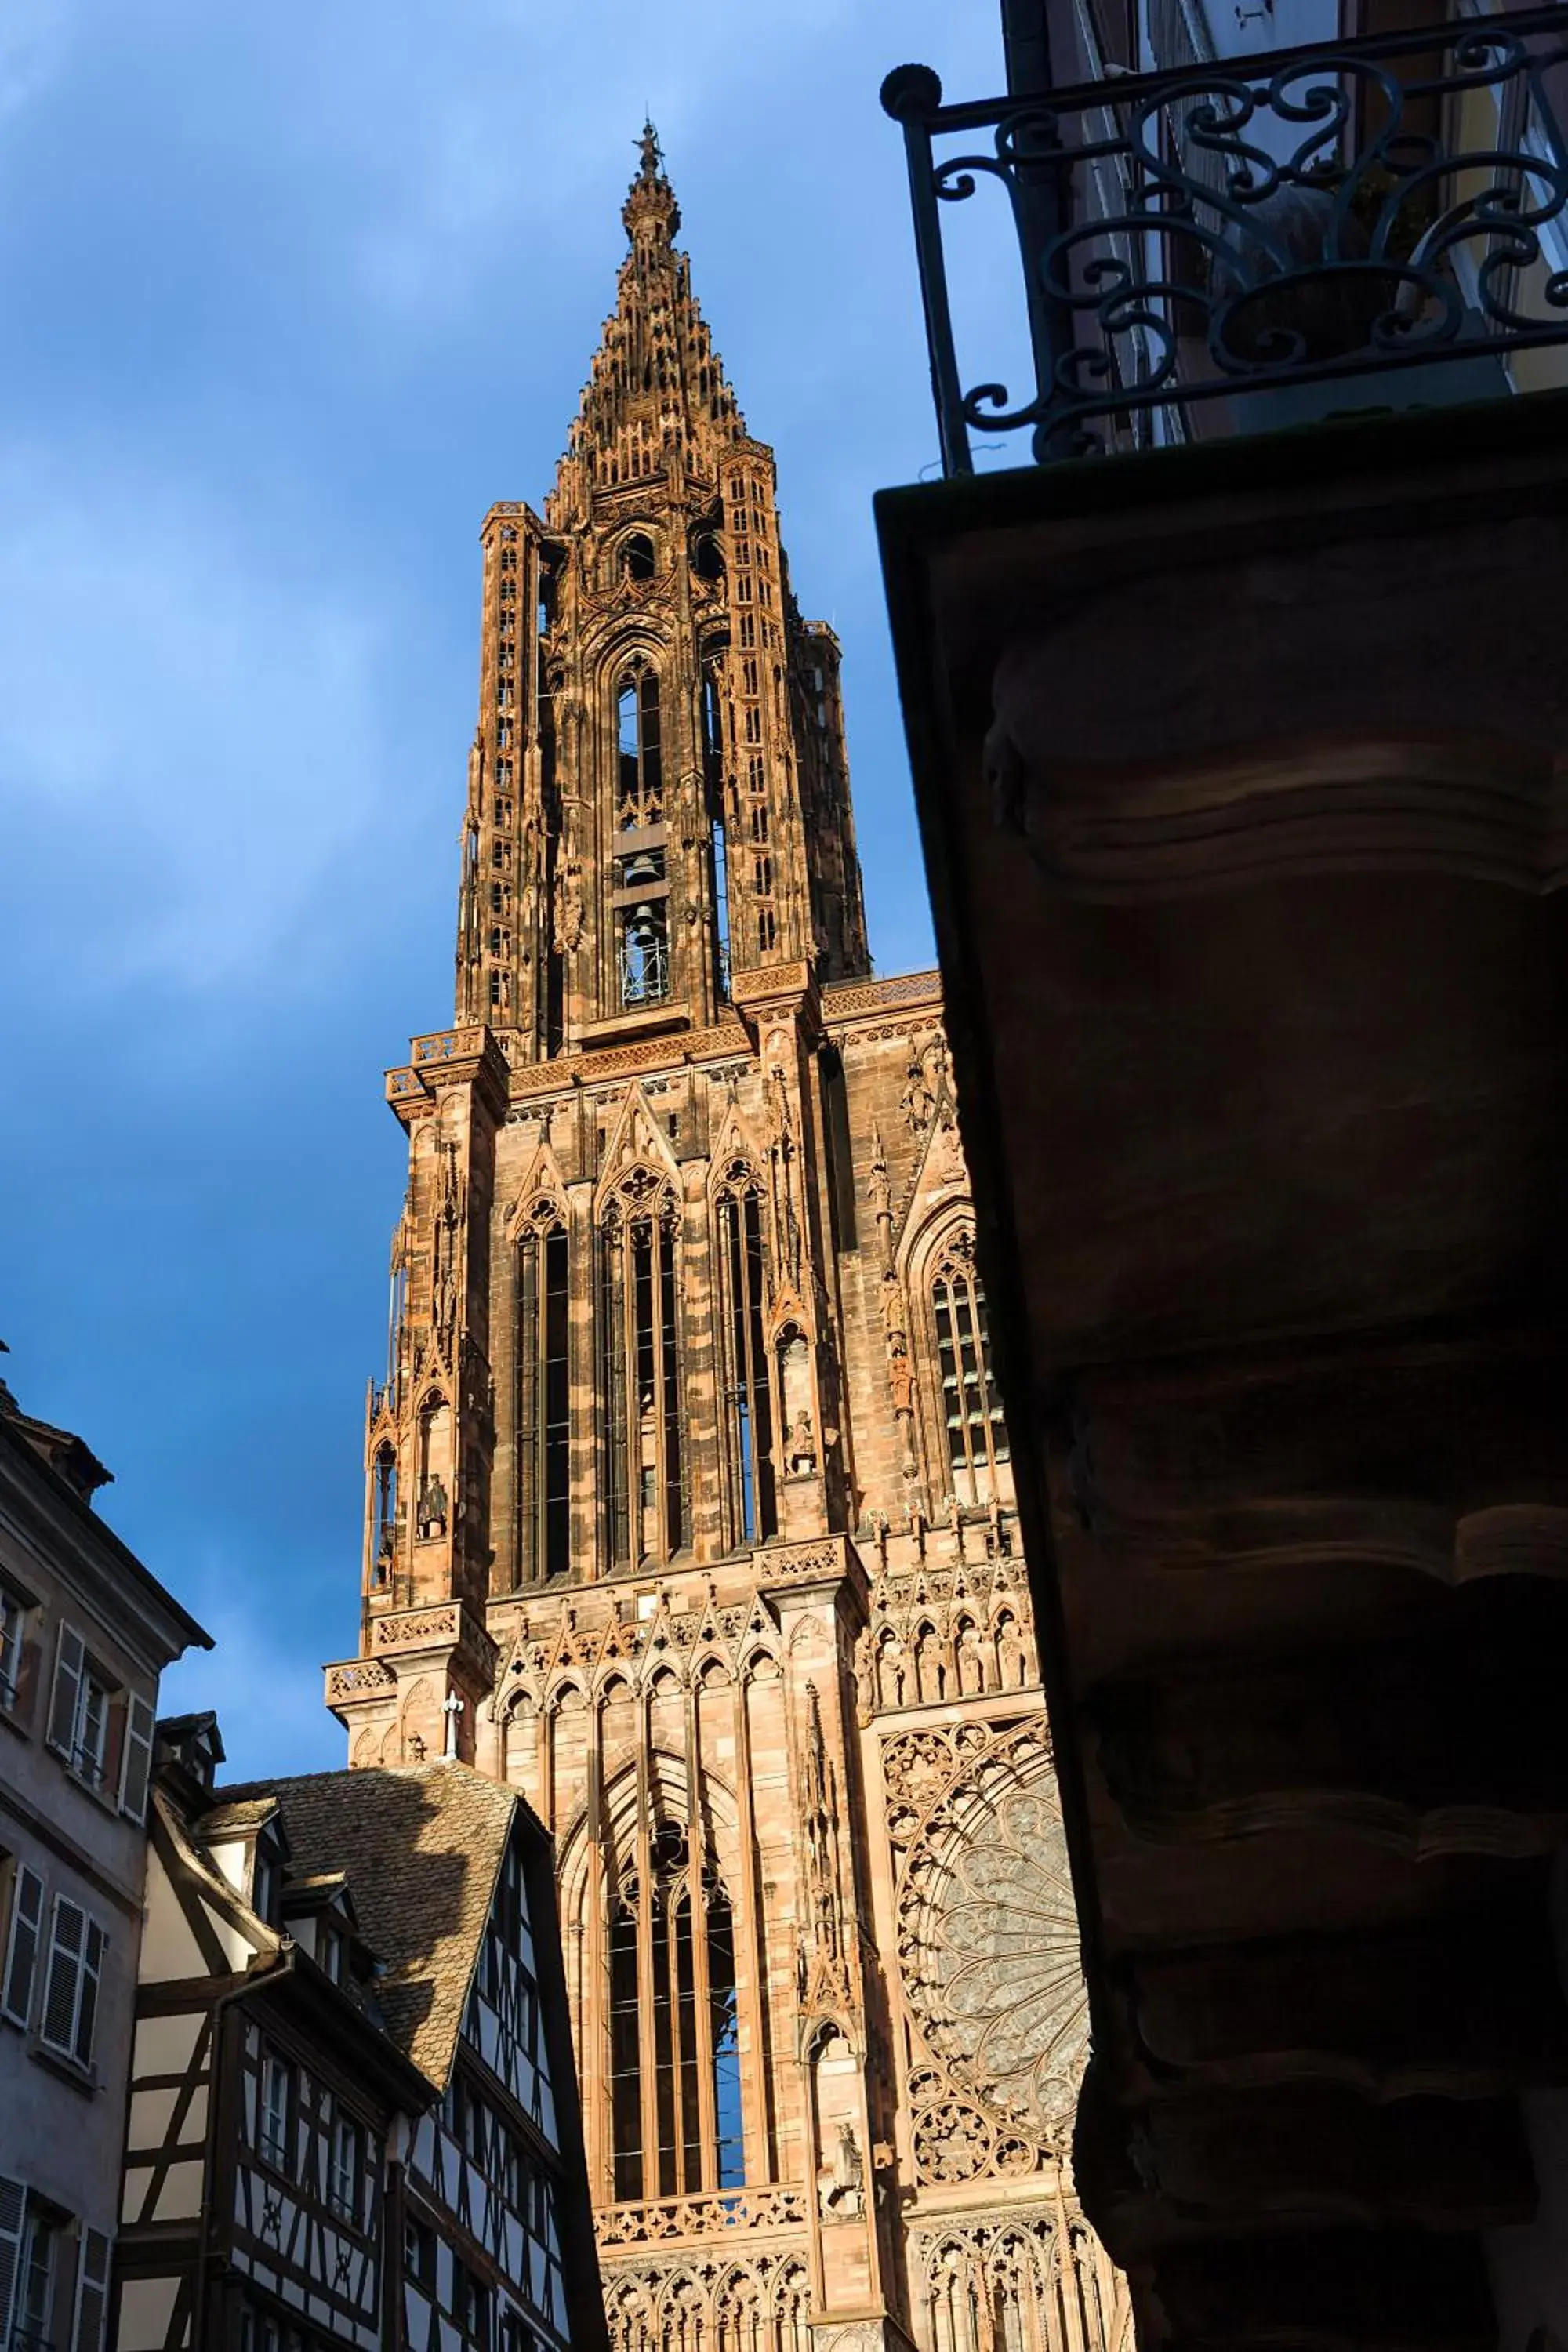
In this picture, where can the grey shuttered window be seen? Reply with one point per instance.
(136, 1767)
(23, 1936)
(13, 2215)
(71, 1991)
(91, 2292)
(71, 1657)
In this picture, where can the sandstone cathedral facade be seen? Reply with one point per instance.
(689, 1505)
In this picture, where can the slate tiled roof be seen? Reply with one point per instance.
(421, 1846)
(232, 1817)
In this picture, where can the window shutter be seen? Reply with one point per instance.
(93, 2292)
(117, 1725)
(64, 1980)
(136, 1769)
(70, 1654)
(22, 1955)
(91, 1969)
(12, 2216)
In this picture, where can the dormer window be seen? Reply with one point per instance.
(332, 1951)
(265, 1880)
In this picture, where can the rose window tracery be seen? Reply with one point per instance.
(990, 1943)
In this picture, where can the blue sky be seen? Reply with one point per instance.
(290, 295)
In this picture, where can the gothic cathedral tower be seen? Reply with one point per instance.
(688, 1505)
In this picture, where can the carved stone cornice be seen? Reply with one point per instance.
(470, 1056)
(433, 1626)
(786, 1571)
(856, 998)
(775, 988)
(358, 1681)
(569, 1071)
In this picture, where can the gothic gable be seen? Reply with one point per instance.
(637, 1159)
(541, 1191)
(939, 1177)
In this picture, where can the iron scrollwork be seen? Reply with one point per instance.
(1255, 223)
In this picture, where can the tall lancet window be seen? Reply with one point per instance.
(977, 1434)
(642, 1476)
(675, 2069)
(543, 1396)
(743, 1269)
(640, 770)
(718, 837)
(383, 1537)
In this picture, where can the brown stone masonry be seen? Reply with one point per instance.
(689, 1509)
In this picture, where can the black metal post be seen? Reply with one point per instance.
(911, 94)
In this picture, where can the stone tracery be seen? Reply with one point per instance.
(987, 1932)
(756, 2305)
(1040, 2284)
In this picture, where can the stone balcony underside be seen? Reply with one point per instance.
(1241, 776)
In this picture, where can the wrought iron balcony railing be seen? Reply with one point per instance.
(1254, 224)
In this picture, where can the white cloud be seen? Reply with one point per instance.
(196, 735)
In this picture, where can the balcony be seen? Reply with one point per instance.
(1232, 246)
(1238, 726)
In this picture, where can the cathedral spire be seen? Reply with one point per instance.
(658, 801)
(656, 394)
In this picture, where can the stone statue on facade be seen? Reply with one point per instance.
(800, 1456)
(433, 1508)
(841, 2181)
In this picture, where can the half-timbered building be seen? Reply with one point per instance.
(454, 1880)
(353, 2116)
(267, 2095)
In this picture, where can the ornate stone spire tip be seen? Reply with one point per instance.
(650, 208)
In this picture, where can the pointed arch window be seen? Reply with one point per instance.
(975, 1432)
(748, 1389)
(639, 759)
(675, 2077)
(637, 558)
(543, 1396)
(717, 838)
(641, 1462)
(383, 1537)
